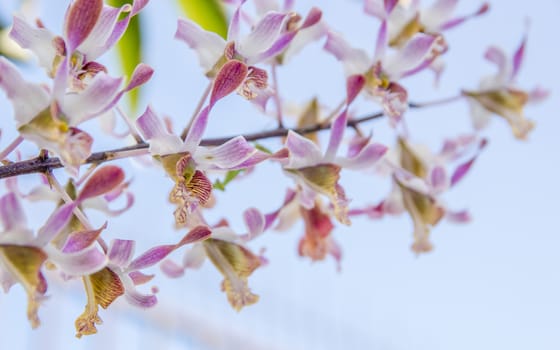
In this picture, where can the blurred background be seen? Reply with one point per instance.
(489, 284)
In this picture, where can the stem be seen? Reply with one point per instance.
(131, 127)
(77, 211)
(10, 147)
(44, 165)
(196, 111)
(276, 95)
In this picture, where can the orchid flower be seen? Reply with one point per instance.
(318, 173)
(405, 18)
(22, 254)
(49, 117)
(122, 275)
(419, 180)
(186, 162)
(226, 251)
(90, 29)
(381, 73)
(269, 37)
(498, 94)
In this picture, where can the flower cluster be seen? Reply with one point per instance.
(259, 40)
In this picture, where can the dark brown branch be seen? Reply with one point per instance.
(43, 164)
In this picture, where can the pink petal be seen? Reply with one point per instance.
(197, 234)
(102, 181)
(83, 262)
(228, 79)
(337, 131)
(255, 223)
(95, 99)
(138, 277)
(81, 18)
(379, 8)
(456, 21)
(415, 53)
(80, 240)
(209, 46)
(151, 257)
(266, 32)
(142, 73)
(140, 300)
(355, 61)
(121, 252)
(109, 29)
(303, 152)
(194, 136)
(38, 40)
(11, 213)
(518, 58)
(27, 99)
(464, 168)
(458, 216)
(228, 155)
(499, 58)
(438, 179)
(367, 157)
(354, 85)
(55, 223)
(171, 269)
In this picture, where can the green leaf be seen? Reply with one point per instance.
(129, 49)
(209, 14)
(230, 175)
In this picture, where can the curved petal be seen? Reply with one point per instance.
(417, 51)
(38, 40)
(80, 263)
(355, 61)
(227, 155)
(27, 99)
(209, 46)
(95, 99)
(120, 252)
(367, 157)
(80, 20)
(303, 152)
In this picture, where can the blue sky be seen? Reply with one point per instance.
(489, 284)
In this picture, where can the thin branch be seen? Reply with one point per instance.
(44, 164)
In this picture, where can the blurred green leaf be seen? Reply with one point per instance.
(230, 175)
(129, 49)
(209, 14)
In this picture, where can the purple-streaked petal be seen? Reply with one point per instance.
(120, 252)
(134, 297)
(459, 217)
(80, 240)
(367, 157)
(518, 58)
(382, 42)
(83, 262)
(438, 179)
(194, 136)
(11, 213)
(38, 40)
(266, 32)
(418, 50)
(226, 156)
(109, 29)
(81, 18)
(102, 181)
(379, 8)
(142, 73)
(337, 131)
(209, 46)
(171, 269)
(255, 223)
(27, 99)
(456, 21)
(302, 151)
(250, 162)
(354, 85)
(234, 24)
(229, 78)
(197, 234)
(94, 100)
(138, 277)
(464, 168)
(499, 58)
(55, 223)
(276, 48)
(151, 257)
(150, 126)
(355, 61)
